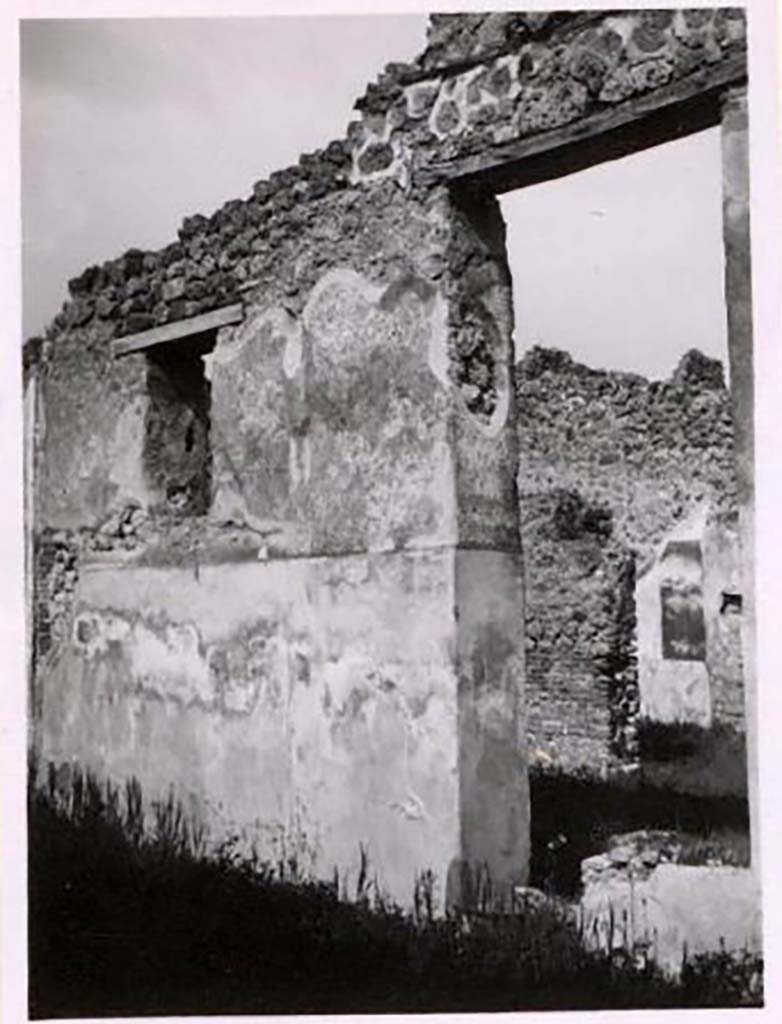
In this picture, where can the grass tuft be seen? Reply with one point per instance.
(575, 817)
(129, 916)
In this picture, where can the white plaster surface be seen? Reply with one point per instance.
(699, 909)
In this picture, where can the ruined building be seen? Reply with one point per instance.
(629, 524)
(274, 550)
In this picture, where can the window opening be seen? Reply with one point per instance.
(177, 444)
(681, 600)
(731, 603)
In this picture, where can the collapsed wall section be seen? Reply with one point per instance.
(617, 477)
(582, 688)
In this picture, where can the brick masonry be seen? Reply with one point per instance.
(611, 465)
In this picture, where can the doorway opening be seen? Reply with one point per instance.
(626, 448)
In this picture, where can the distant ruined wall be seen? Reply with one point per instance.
(276, 553)
(579, 623)
(614, 471)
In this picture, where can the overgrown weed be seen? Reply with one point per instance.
(575, 816)
(130, 916)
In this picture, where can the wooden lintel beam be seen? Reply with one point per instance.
(678, 107)
(179, 329)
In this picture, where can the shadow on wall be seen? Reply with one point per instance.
(693, 759)
(124, 917)
(575, 816)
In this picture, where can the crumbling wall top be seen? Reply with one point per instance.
(655, 450)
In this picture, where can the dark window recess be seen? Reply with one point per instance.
(684, 627)
(177, 451)
(681, 601)
(687, 550)
(730, 603)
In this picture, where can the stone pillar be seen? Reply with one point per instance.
(494, 794)
(738, 294)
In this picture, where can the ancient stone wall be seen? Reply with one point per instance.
(614, 469)
(579, 630)
(639, 895)
(300, 626)
(292, 548)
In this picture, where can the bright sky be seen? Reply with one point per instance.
(622, 265)
(128, 126)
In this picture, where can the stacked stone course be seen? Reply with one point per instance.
(213, 258)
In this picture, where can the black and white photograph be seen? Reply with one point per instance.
(391, 602)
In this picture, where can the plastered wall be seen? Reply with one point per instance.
(329, 657)
(269, 695)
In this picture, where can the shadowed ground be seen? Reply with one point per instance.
(128, 922)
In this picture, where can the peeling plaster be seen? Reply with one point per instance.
(169, 661)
